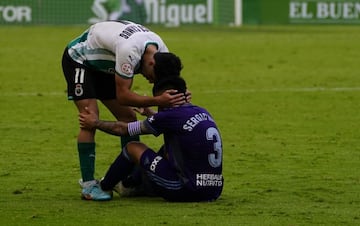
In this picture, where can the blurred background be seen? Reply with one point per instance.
(175, 13)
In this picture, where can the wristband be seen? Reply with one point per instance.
(134, 128)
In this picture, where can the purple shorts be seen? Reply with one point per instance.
(166, 181)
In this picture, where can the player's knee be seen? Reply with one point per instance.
(135, 149)
(135, 146)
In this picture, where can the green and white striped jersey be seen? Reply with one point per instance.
(114, 46)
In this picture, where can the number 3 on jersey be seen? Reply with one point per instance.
(214, 158)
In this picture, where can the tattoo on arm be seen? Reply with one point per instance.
(119, 128)
(115, 128)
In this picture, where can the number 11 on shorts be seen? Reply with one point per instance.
(79, 73)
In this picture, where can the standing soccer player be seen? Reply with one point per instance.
(100, 65)
(189, 166)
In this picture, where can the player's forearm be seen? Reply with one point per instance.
(115, 128)
(135, 100)
(129, 98)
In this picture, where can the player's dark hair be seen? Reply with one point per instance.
(175, 82)
(166, 65)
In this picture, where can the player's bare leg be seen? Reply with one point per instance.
(86, 149)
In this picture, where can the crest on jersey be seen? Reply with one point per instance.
(127, 69)
(79, 90)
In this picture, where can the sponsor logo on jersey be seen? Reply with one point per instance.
(151, 119)
(209, 180)
(154, 163)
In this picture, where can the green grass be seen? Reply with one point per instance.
(286, 100)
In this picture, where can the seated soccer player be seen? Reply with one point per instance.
(189, 166)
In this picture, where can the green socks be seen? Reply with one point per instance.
(87, 160)
(87, 157)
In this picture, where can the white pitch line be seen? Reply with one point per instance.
(240, 90)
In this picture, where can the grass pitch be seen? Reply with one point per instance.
(286, 100)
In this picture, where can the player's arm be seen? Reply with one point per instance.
(145, 111)
(90, 120)
(119, 128)
(129, 98)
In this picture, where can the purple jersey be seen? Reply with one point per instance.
(193, 145)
